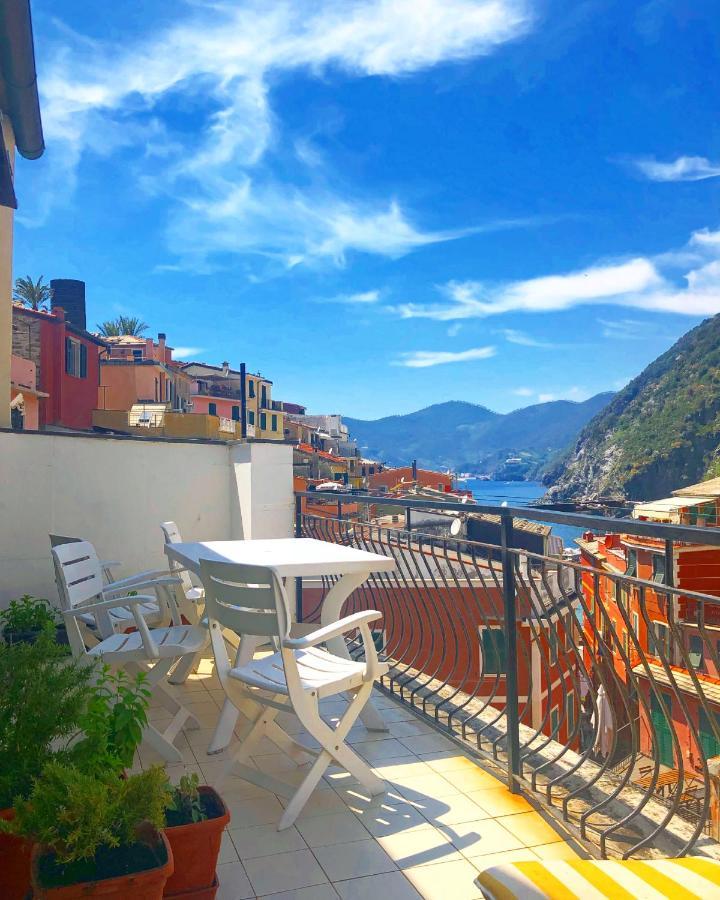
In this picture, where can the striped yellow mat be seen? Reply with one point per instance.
(679, 879)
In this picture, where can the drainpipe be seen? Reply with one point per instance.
(243, 403)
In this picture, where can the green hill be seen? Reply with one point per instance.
(464, 436)
(659, 433)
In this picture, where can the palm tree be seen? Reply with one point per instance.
(31, 293)
(123, 325)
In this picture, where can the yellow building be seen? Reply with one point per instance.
(21, 128)
(217, 390)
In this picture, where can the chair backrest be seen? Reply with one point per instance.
(56, 540)
(249, 600)
(78, 571)
(172, 535)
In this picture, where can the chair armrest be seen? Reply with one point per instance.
(335, 629)
(136, 582)
(113, 603)
(110, 563)
(151, 648)
(140, 576)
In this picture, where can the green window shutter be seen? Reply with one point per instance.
(709, 744)
(83, 361)
(493, 646)
(236, 413)
(212, 409)
(273, 423)
(251, 417)
(263, 421)
(69, 357)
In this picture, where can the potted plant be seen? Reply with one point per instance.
(43, 696)
(194, 825)
(27, 618)
(97, 835)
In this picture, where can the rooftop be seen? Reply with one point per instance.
(710, 488)
(442, 821)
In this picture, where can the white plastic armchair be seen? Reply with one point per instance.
(155, 609)
(153, 650)
(252, 601)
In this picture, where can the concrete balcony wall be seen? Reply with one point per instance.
(115, 491)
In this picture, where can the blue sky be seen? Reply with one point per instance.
(383, 204)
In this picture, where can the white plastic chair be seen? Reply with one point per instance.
(79, 575)
(104, 624)
(251, 600)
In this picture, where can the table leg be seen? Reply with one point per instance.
(229, 715)
(331, 609)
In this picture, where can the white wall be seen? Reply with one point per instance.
(115, 493)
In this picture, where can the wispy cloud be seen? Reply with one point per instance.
(363, 298)
(575, 393)
(523, 392)
(625, 329)
(642, 283)
(454, 329)
(423, 359)
(684, 168)
(185, 352)
(221, 183)
(512, 336)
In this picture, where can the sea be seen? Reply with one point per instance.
(515, 493)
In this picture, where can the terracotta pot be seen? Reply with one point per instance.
(15, 854)
(195, 849)
(147, 885)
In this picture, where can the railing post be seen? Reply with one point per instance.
(407, 518)
(298, 581)
(511, 682)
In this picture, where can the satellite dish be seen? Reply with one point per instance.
(455, 527)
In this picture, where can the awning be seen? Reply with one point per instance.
(668, 506)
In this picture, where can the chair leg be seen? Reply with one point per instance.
(302, 794)
(186, 665)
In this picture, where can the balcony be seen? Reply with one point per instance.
(442, 820)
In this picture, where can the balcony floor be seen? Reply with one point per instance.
(442, 820)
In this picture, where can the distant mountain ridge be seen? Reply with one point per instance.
(468, 437)
(658, 434)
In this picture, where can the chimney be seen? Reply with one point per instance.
(414, 470)
(162, 337)
(70, 295)
(226, 369)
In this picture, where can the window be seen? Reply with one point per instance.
(658, 568)
(709, 744)
(273, 423)
(631, 569)
(137, 354)
(251, 417)
(554, 721)
(659, 639)
(552, 644)
(263, 394)
(235, 413)
(263, 421)
(493, 651)
(636, 626)
(251, 388)
(570, 705)
(75, 358)
(212, 409)
(695, 651)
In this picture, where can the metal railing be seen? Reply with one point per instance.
(597, 691)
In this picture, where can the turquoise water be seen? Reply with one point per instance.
(515, 493)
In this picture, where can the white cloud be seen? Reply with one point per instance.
(183, 353)
(512, 336)
(523, 392)
(363, 298)
(216, 63)
(546, 398)
(454, 329)
(684, 168)
(642, 283)
(422, 359)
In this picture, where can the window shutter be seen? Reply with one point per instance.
(83, 361)
(212, 409)
(236, 413)
(69, 359)
(493, 651)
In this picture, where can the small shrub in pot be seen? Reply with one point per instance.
(27, 618)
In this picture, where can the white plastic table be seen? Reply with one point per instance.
(291, 558)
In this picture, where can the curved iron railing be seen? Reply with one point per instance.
(604, 702)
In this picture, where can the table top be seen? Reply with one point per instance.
(665, 779)
(289, 557)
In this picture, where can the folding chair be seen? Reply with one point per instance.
(251, 600)
(79, 574)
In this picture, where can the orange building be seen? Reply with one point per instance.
(406, 476)
(138, 370)
(630, 619)
(25, 397)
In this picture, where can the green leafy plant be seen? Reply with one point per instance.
(28, 614)
(122, 326)
(186, 802)
(88, 822)
(113, 722)
(34, 294)
(43, 699)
